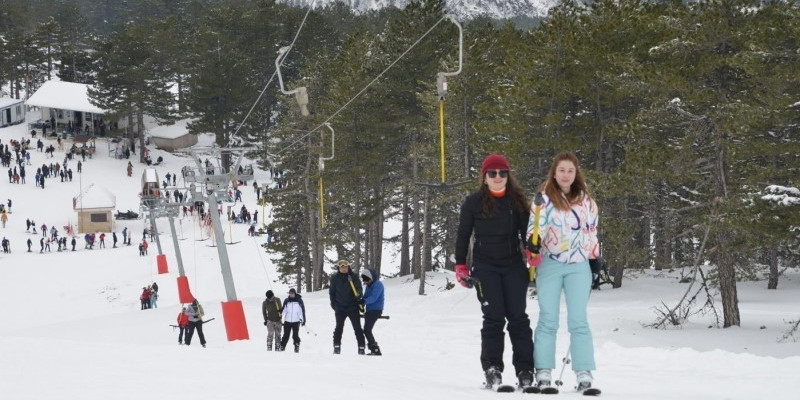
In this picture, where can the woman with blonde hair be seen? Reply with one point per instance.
(568, 230)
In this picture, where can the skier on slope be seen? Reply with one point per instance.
(195, 313)
(569, 237)
(373, 307)
(345, 294)
(294, 315)
(497, 216)
(271, 309)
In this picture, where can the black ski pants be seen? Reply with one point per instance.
(181, 330)
(292, 328)
(195, 326)
(355, 320)
(370, 318)
(503, 295)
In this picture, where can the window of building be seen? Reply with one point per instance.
(99, 217)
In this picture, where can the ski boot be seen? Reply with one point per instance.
(544, 382)
(337, 349)
(493, 377)
(297, 347)
(361, 351)
(584, 379)
(374, 350)
(269, 346)
(525, 382)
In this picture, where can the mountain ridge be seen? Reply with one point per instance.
(462, 9)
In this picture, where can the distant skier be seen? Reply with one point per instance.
(271, 310)
(373, 304)
(195, 313)
(183, 323)
(294, 315)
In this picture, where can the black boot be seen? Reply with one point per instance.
(493, 377)
(525, 378)
(374, 350)
(297, 347)
(337, 349)
(361, 351)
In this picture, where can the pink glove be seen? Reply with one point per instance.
(533, 261)
(462, 275)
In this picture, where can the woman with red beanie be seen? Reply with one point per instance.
(497, 217)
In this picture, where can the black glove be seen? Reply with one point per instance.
(265, 323)
(303, 323)
(535, 249)
(595, 265)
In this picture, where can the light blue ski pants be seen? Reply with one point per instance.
(575, 280)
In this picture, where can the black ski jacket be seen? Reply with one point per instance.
(498, 238)
(341, 293)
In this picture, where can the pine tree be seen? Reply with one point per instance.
(129, 81)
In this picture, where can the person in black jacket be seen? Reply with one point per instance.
(345, 292)
(497, 215)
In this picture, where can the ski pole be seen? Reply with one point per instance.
(381, 317)
(564, 361)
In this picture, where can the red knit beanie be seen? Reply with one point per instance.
(494, 161)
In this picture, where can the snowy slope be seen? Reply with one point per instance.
(72, 329)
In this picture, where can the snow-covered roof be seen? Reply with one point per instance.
(64, 96)
(171, 131)
(150, 175)
(95, 197)
(7, 101)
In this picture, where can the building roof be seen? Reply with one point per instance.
(7, 101)
(65, 96)
(174, 131)
(94, 197)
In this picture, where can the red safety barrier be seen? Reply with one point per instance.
(161, 260)
(235, 324)
(184, 294)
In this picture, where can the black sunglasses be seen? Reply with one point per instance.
(492, 174)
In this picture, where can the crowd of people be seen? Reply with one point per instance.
(348, 299)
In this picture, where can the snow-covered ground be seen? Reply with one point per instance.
(71, 327)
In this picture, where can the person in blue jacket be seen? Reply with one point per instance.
(373, 306)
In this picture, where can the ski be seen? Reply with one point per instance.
(591, 392)
(549, 390)
(506, 389)
(531, 389)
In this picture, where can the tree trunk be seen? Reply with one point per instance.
(356, 246)
(416, 254)
(723, 258)
(772, 283)
(367, 245)
(311, 225)
(140, 128)
(379, 240)
(426, 262)
(405, 267)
